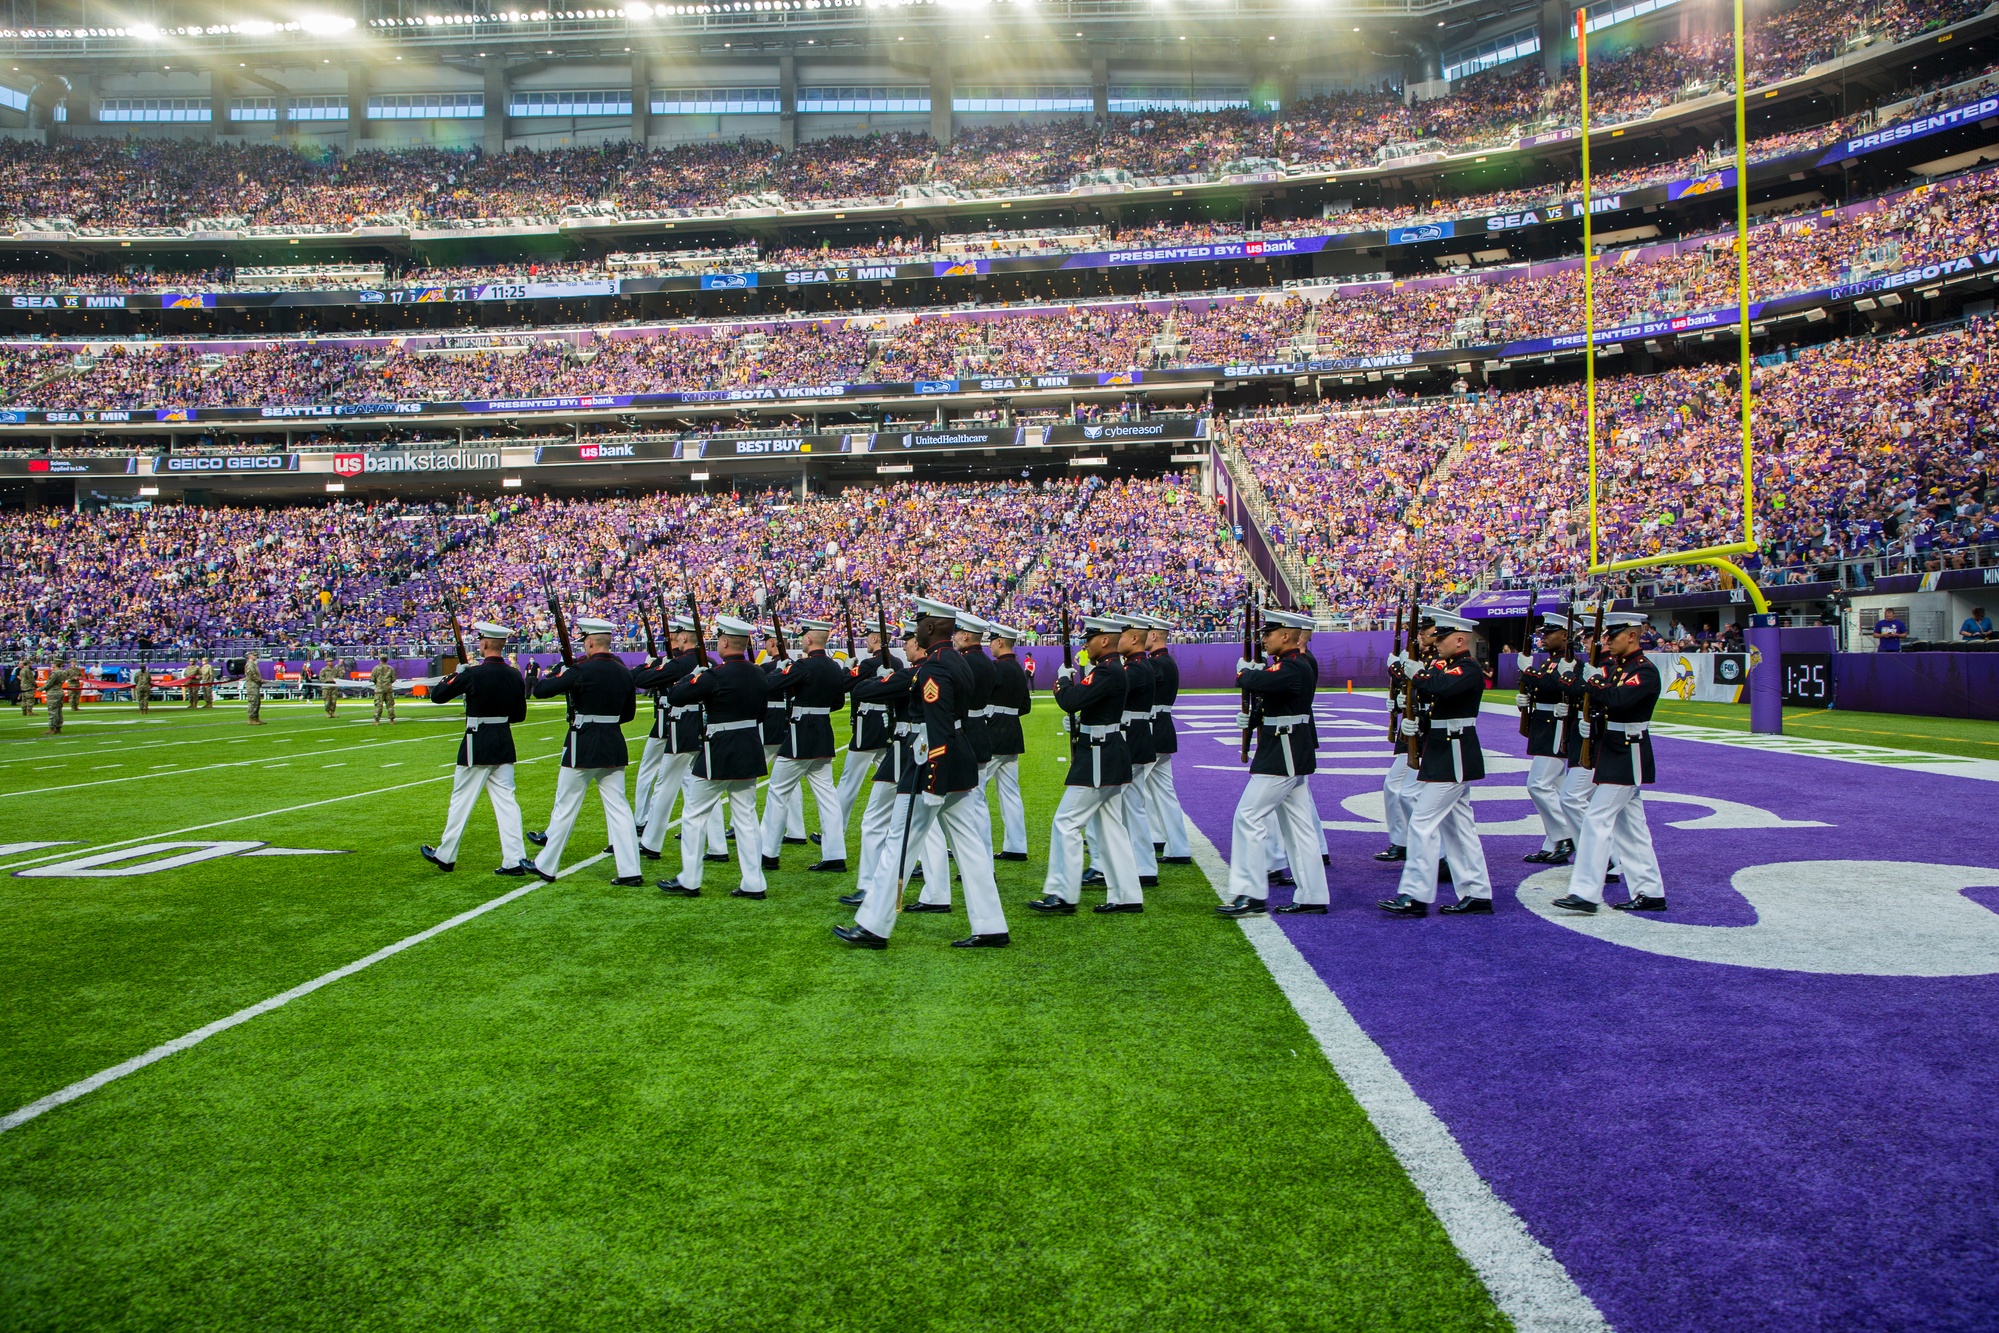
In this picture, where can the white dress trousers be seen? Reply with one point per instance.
(1440, 825)
(787, 777)
(497, 781)
(1281, 810)
(1003, 774)
(881, 843)
(704, 801)
(1544, 788)
(1162, 808)
(570, 784)
(1615, 828)
(794, 810)
(650, 759)
(857, 770)
(670, 785)
(960, 814)
(1102, 810)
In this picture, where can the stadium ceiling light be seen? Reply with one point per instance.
(324, 25)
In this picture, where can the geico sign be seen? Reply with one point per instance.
(251, 463)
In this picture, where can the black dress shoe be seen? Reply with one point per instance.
(812, 838)
(854, 899)
(648, 853)
(1009, 856)
(1300, 909)
(628, 881)
(1640, 905)
(1094, 878)
(429, 854)
(1176, 860)
(915, 876)
(1568, 902)
(999, 941)
(1158, 847)
(839, 864)
(1612, 875)
(1393, 852)
(673, 888)
(1443, 871)
(1279, 879)
(1052, 905)
(538, 839)
(860, 938)
(773, 863)
(722, 857)
(1244, 905)
(1467, 907)
(540, 874)
(1326, 860)
(794, 842)
(515, 870)
(1564, 849)
(610, 849)
(1107, 908)
(1536, 858)
(757, 894)
(1148, 881)
(927, 907)
(1403, 905)
(639, 830)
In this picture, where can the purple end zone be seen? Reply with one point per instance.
(1703, 1144)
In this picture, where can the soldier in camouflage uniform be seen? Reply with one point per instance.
(383, 678)
(54, 690)
(253, 691)
(24, 674)
(76, 686)
(142, 688)
(329, 692)
(208, 682)
(190, 680)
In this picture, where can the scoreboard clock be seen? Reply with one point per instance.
(1808, 679)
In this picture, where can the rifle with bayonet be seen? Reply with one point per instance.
(694, 615)
(1251, 710)
(561, 625)
(652, 645)
(439, 546)
(1415, 747)
(1404, 640)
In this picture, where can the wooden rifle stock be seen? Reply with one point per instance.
(1415, 748)
(1404, 638)
(1589, 711)
(652, 644)
(561, 624)
(457, 634)
(1068, 658)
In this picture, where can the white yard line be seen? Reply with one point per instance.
(1525, 1279)
(83, 1087)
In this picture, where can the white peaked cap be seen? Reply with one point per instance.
(1274, 618)
(1007, 632)
(590, 625)
(1103, 624)
(1622, 619)
(928, 607)
(486, 629)
(1451, 621)
(734, 628)
(826, 625)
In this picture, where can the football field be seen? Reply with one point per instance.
(594, 1107)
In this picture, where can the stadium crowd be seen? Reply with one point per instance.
(109, 183)
(1864, 449)
(219, 577)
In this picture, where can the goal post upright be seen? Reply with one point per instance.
(1715, 557)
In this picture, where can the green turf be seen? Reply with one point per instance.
(597, 1108)
(1896, 731)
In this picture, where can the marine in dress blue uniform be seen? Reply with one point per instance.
(890, 683)
(776, 725)
(495, 699)
(1451, 687)
(1544, 695)
(1099, 772)
(602, 700)
(732, 695)
(1277, 803)
(681, 738)
(1162, 798)
(1012, 700)
(813, 687)
(1623, 695)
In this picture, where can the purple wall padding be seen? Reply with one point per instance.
(1921, 684)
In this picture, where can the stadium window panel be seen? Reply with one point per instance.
(839, 100)
(1134, 99)
(317, 108)
(18, 100)
(715, 102)
(427, 106)
(594, 103)
(153, 110)
(253, 108)
(1498, 51)
(1617, 11)
(1022, 99)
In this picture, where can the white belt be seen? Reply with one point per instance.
(1633, 730)
(1001, 710)
(1453, 725)
(602, 719)
(870, 708)
(1288, 721)
(682, 710)
(811, 712)
(474, 723)
(905, 728)
(775, 703)
(1162, 710)
(1137, 717)
(1546, 708)
(987, 711)
(714, 727)
(1100, 733)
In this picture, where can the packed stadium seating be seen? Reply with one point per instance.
(235, 576)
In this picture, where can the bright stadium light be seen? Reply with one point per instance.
(324, 25)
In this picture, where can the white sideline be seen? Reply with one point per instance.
(1525, 1279)
(85, 1086)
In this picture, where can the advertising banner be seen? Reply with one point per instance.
(620, 451)
(1714, 182)
(471, 458)
(182, 465)
(1005, 437)
(1154, 428)
(67, 467)
(1920, 127)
